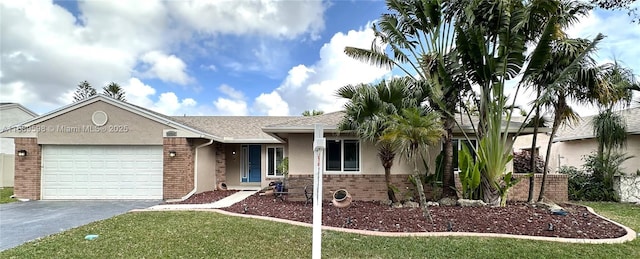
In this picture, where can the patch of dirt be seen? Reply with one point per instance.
(205, 197)
(517, 218)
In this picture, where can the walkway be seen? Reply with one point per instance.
(226, 202)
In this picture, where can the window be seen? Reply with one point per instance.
(342, 155)
(457, 147)
(275, 155)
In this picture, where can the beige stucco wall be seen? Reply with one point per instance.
(122, 128)
(205, 167)
(570, 153)
(300, 152)
(7, 162)
(524, 141)
(233, 164)
(10, 117)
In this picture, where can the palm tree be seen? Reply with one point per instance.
(83, 91)
(411, 133)
(566, 15)
(114, 90)
(366, 113)
(313, 112)
(419, 40)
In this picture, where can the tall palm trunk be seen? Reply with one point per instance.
(386, 158)
(448, 178)
(420, 189)
(556, 124)
(489, 192)
(532, 160)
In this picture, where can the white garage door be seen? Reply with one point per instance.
(101, 172)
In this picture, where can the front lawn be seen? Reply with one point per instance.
(5, 195)
(206, 234)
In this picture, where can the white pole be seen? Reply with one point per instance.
(318, 150)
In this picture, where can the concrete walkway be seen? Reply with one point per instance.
(226, 202)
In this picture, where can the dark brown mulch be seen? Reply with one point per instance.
(516, 219)
(205, 197)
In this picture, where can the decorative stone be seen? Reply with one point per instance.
(471, 203)
(411, 204)
(433, 204)
(448, 201)
(396, 205)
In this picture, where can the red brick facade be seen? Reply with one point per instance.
(27, 169)
(178, 172)
(372, 187)
(221, 164)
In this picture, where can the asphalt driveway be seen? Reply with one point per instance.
(25, 221)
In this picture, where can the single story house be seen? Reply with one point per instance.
(573, 143)
(102, 148)
(10, 114)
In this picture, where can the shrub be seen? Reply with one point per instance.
(522, 163)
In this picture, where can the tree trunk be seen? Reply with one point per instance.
(448, 177)
(490, 194)
(390, 192)
(554, 128)
(386, 158)
(532, 160)
(423, 199)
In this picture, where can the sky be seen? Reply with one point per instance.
(215, 57)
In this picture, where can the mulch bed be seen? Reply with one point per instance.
(517, 218)
(205, 197)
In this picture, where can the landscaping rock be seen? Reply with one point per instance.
(448, 201)
(432, 204)
(411, 204)
(471, 203)
(396, 205)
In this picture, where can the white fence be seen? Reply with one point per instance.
(628, 187)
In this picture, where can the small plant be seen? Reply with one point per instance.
(284, 167)
(469, 173)
(508, 181)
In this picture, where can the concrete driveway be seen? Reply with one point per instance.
(25, 221)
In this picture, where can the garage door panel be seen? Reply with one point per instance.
(102, 172)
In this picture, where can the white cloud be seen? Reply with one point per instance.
(272, 104)
(167, 103)
(285, 19)
(314, 87)
(168, 68)
(226, 106)
(231, 92)
(234, 105)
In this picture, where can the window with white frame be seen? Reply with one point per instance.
(275, 155)
(457, 147)
(342, 155)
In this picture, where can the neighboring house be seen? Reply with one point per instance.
(10, 114)
(102, 148)
(572, 144)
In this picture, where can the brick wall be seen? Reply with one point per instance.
(178, 171)
(27, 169)
(221, 164)
(372, 187)
(555, 190)
(361, 187)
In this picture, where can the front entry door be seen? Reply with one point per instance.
(252, 163)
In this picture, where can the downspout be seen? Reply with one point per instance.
(195, 172)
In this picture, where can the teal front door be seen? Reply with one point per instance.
(252, 164)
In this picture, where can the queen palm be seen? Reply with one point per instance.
(366, 111)
(411, 133)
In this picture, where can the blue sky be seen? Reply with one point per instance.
(212, 57)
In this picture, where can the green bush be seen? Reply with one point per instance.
(595, 183)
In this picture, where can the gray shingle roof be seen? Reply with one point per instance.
(240, 128)
(584, 128)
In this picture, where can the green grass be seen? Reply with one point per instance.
(211, 235)
(5, 195)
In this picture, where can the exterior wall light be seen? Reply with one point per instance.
(172, 153)
(233, 152)
(22, 152)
